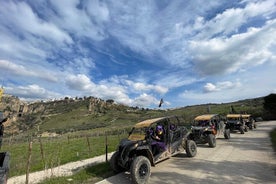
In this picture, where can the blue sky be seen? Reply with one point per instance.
(136, 52)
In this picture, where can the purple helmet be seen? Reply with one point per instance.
(159, 129)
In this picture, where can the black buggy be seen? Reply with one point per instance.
(142, 149)
(236, 123)
(206, 128)
(4, 156)
(249, 121)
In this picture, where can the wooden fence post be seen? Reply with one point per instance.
(106, 148)
(29, 162)
(88, 143)
(42, 153)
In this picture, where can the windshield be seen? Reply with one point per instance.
(201, 123)
(233, 119)
(137, 134)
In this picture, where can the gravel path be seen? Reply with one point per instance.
(63, 170)
(245, 158)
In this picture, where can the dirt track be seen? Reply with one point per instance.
(246, 158)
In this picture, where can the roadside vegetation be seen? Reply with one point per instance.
(50, 153)
(273, 139)
(89, 175)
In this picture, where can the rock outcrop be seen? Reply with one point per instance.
(18, 110)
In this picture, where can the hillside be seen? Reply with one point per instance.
(94, 115)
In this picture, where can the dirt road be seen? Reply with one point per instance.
(245, 158)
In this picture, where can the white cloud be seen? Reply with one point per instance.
(209, 87)
(175, 79)
(219, 86)
(230, 20)
(139, 86)
(16, 70)
(145, 100)
(134, 86)
(114, 89)
(251, 84)
(79, 22)
(220, 55)
(20, 16)
(98, 10)
(79, 82)
(32, 92)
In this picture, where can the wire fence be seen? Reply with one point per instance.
(29, 154)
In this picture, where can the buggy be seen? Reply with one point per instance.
(140, 150)
(4, 156)
(206, 128)
(249, 121)
(235, 123)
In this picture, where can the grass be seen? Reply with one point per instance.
(54, 152)
(89, 175)
(273, 139)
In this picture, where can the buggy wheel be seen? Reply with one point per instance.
(227, 134)
(250, 127)
(191, 148)
(246, 128)
(241, 130)
(211, 140)
(140, 170)
(114, 163)
(255, 125)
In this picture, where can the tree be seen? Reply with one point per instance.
(110, 101)
(270, 106)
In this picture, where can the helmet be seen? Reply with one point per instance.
(159, 129)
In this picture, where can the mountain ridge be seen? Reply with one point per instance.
(93, 114)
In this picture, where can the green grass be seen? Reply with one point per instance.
(273, 139)
(57, 152)
(89, 175)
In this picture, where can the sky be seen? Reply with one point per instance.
(137, 52)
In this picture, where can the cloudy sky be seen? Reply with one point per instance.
(137, 52)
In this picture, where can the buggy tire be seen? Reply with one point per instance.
(227, 134)
(250, 127)
(114, 163)
(140, 170)
(255, 125)
(191, 148)
(211, 140)
(246, 128)
(241, 130)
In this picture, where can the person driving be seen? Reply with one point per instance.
(159, 139)
(159, 135)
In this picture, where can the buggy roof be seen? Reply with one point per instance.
(246, 115)
(233, 115)
(238, 115)
(148, 122)
(205, 117)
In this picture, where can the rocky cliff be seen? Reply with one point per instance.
(20, 111)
